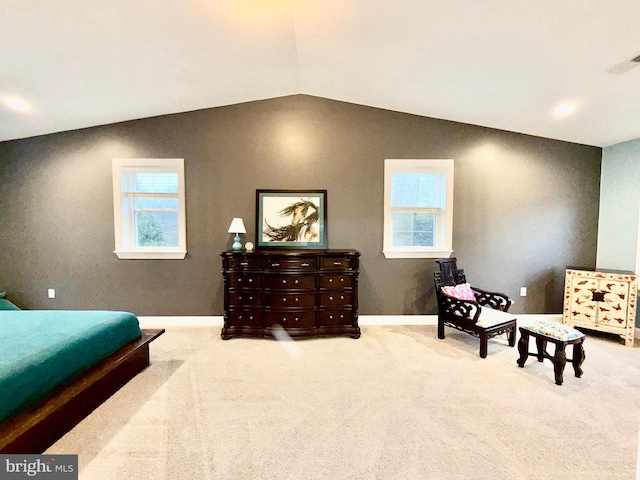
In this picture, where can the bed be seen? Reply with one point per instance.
(57, 366)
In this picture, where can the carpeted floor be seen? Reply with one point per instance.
(395, 404)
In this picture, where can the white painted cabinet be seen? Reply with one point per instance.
(603, 300)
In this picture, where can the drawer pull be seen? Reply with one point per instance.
(304, 264)
(275, 264)
(295, 319)
(284, 299)
(331, 317)
(296, 299)
(250, 280)
(244, 264)
(337, 263)
(284, 281)
(341, 279)
(330, 298)
(296, 281)
(341, 297)
(330, 280)
(239, 280)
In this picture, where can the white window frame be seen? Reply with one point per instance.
(123, 216)
(444, 216)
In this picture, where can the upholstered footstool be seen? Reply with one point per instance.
(559, 334)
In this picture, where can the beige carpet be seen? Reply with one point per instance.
(395, 404)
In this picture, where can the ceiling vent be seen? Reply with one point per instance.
(625, 66)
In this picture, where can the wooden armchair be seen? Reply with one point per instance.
(472, 310)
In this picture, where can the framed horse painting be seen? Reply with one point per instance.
(291, 219)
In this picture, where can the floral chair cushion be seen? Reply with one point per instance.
(555, 330)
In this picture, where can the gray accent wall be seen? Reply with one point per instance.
(525, 207)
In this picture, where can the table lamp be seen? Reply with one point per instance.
(237, 227)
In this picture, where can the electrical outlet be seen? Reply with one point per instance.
(51, 292)
(523, 291)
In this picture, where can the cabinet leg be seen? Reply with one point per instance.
(628, 339)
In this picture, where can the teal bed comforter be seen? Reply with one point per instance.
(41, 350)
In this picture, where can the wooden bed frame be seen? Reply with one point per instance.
(40, 427)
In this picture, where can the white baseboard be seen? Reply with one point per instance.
(217, 321)
(397, 319)
(163, 322)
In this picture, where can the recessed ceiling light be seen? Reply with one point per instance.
(17, 104)
(564, 110)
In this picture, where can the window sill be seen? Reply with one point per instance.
(172, 255)
(417, 253)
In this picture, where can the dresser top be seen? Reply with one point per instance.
(293, 252)
(602, 270)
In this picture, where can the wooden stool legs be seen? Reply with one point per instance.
(578, 358)
(560, 357)
(559, 362)
(541, 343)
(523, 348)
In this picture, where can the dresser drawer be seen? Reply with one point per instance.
(335, 263)
(245, 318)
(245, 281)
(329, 318)
(336, 280)
(612, 321)
(244, 263)
(287, 263)
(291, 300)
(245, 298)
(291, 319)
(338, 300)
(307, 282)
(309, 293)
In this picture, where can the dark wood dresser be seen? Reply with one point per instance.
(308, 293)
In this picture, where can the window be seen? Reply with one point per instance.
(418, 208)
(149, 209)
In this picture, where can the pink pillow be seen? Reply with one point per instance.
(461, 292)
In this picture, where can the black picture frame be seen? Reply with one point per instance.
(291, 219)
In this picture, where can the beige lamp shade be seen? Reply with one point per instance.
(237, 226)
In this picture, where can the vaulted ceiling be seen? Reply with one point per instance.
(506, 64)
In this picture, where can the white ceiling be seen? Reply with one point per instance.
(505, 64)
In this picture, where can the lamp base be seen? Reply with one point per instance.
(237, 246)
